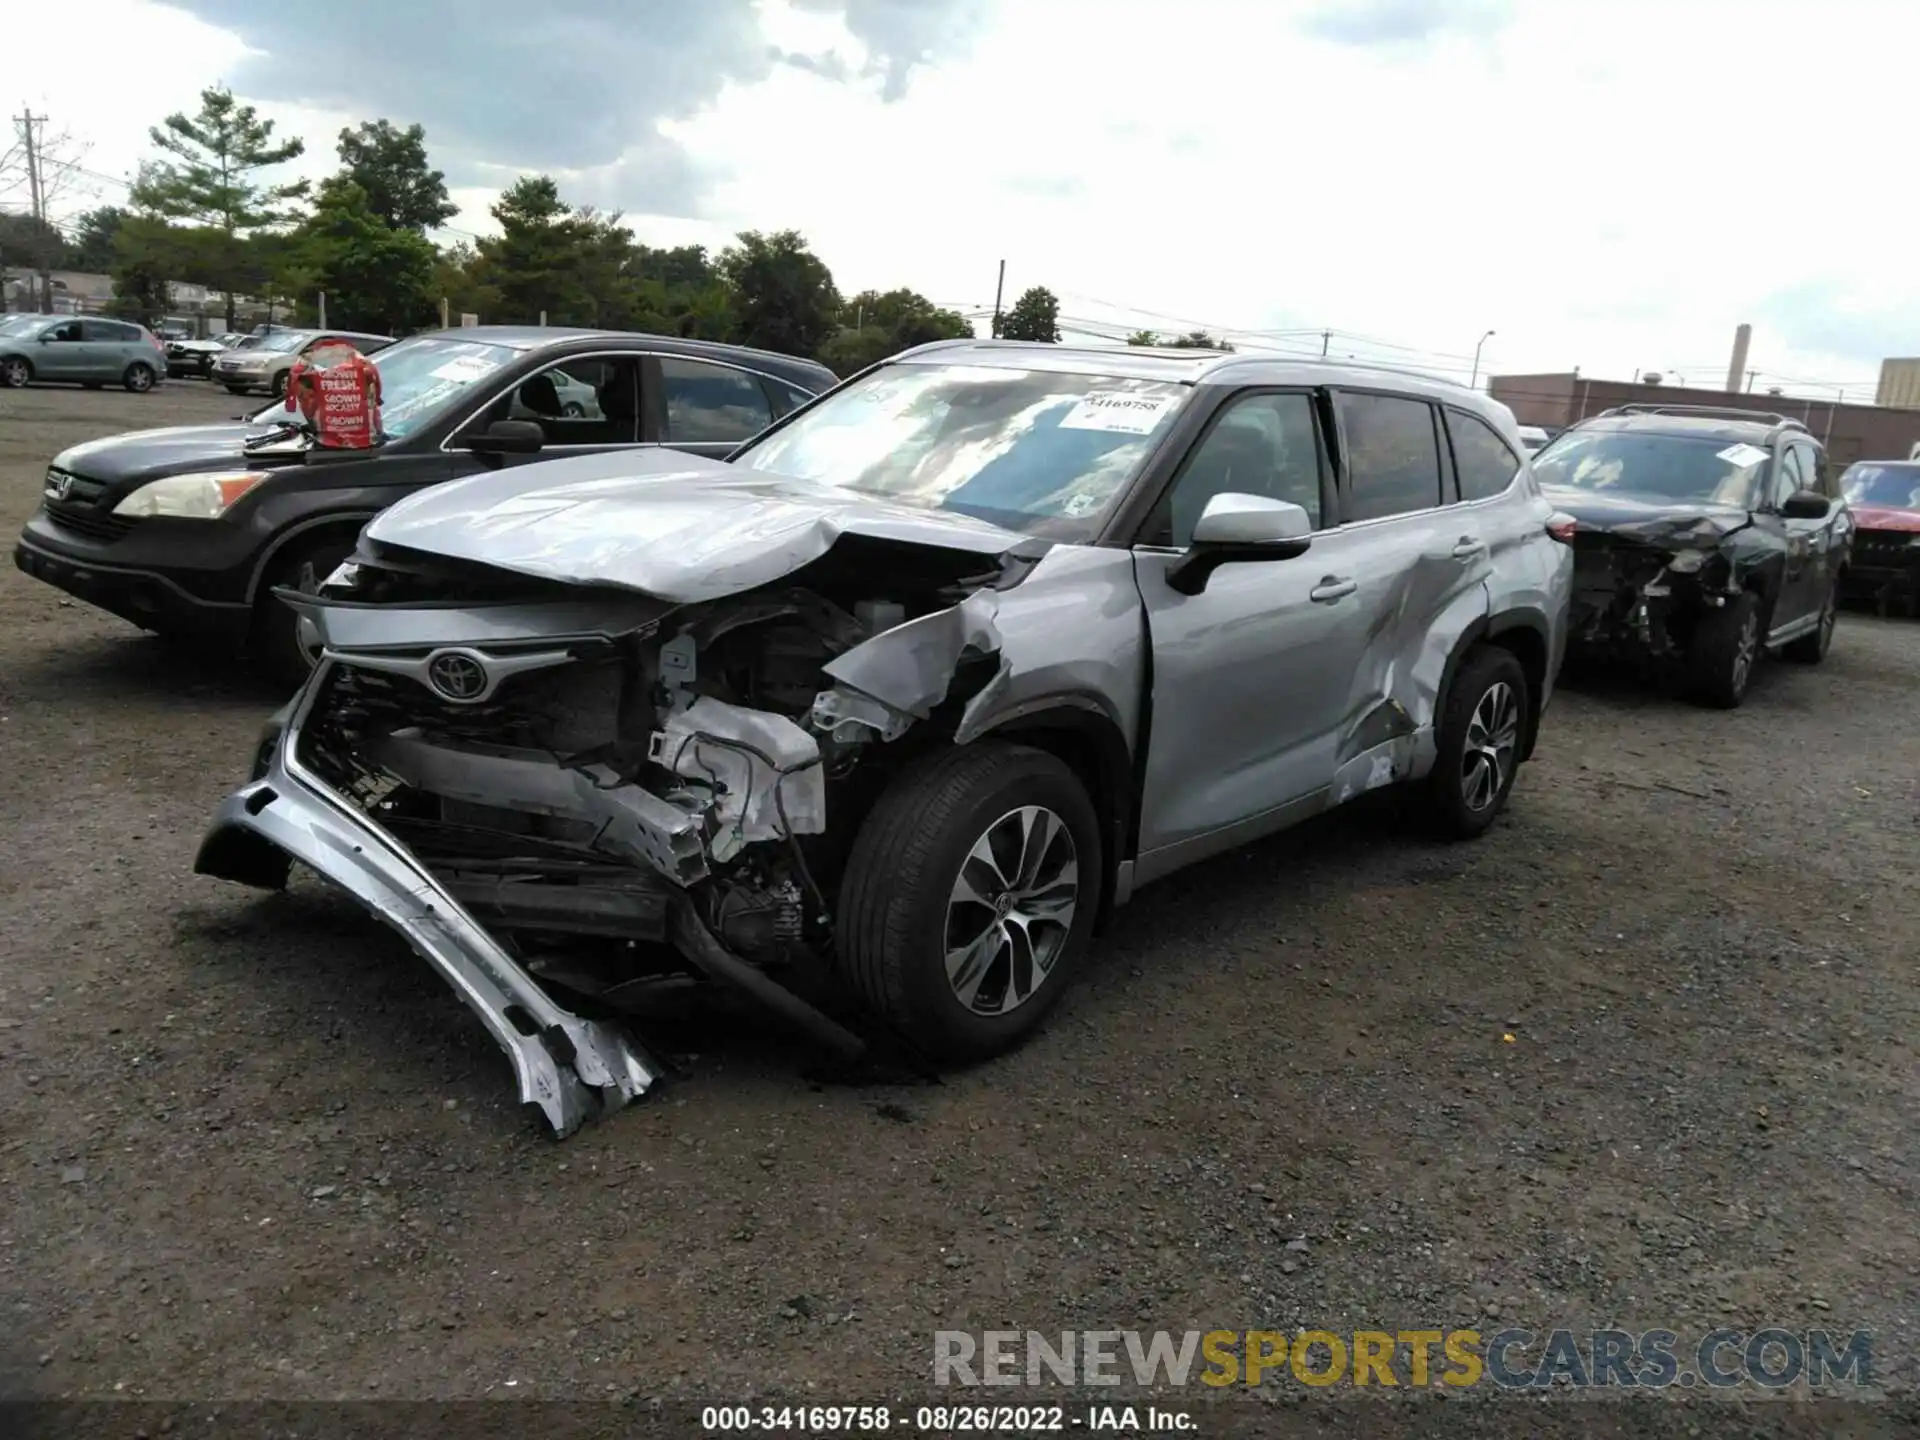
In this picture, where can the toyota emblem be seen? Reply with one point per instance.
(457, 675)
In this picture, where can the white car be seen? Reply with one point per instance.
(1533, 437)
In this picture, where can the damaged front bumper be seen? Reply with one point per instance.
(571, 1068)
(1642, 600)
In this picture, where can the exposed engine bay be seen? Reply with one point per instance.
(615, 793)
(1644, 588)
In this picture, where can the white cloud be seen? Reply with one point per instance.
(1614, 186)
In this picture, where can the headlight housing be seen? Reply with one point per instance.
(190, 497)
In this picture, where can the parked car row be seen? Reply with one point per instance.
(629, 661)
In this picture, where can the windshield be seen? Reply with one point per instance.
(419, 379)
(21, 321)
(284, 340)
(1665, 467)
(1895, 487)
(1033, 450)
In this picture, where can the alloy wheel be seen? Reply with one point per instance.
(1493, 736)
(1745, 648)
(14, 374)
(139, 379)
(1011, 910)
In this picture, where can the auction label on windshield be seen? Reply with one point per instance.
(1742, 455)
(1121, 413)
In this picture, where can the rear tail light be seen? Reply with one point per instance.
(1561, 527)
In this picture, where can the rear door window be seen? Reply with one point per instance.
(1481, 459)
(112, 330)
(710, 403)
(1393, 461)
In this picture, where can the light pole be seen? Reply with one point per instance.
(1475, 381)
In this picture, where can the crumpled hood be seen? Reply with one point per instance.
(1648, 519)
(675, 526)
(1885, 517)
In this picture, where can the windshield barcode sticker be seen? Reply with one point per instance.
(1742, 455)
(1126, 414)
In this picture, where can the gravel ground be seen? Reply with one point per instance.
(253, 1149)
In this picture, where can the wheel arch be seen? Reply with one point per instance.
(1524, 635)
(1081, 732)
(350, 523)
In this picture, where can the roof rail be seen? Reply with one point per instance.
(1723, 412)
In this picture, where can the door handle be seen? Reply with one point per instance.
(1468, 546)
(1332, 588)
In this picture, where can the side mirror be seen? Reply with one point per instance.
(1236, 528)
(1806, 505)
(507, 437)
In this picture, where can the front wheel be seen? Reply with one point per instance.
(1726, 645)
(279, 646)
(969, 897)
(1478, 743)
(139, 378)
(279, 386)
(15, 373)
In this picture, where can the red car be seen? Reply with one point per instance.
(1885, 498)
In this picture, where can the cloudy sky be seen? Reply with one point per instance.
(1405, 173)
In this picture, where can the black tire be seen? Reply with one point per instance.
(1811, 649)
(1482, 727)
(277, 647)
(573, 410)
(139, 377)
(279, 387)
(236, 389)
(15, 372)
(899, 914)
(1726, 647)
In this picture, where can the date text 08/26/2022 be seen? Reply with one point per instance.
(944, 1419)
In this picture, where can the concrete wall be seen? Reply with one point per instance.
(1850, 432)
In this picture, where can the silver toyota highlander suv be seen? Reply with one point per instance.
(877, 720)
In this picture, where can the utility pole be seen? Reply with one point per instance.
(27, 120)
(1326, 339)
(322, 309)
(998, 287)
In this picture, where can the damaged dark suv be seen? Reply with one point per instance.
(1702, 538)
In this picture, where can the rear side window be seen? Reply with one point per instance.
(1482, 460)
(711, 403)
(786, 399)
(112, 330)
(1392, 461)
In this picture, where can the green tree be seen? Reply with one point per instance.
(783, 293)
(876, 325)
(1034, 316)
(391, 167)
(30, 244)
(91, 249)
(456, 278)
(146, 252)
(212, 183)
(374, 276)
(1143, 337)
(533, 266)
(1196, 340)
